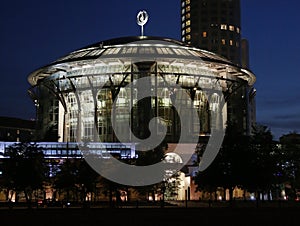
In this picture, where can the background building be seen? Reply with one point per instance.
(15, 129)
(215, 25)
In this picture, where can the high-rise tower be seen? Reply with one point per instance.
(214, 25)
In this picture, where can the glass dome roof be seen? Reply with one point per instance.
(139, 48)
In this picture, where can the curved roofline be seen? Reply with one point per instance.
(120, 41)
(129, 39)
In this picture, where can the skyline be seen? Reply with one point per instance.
(36, 33)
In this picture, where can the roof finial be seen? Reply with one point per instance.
(142, 19)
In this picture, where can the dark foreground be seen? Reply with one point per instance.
(152, 216)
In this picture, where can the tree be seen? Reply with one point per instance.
(210, 179)
(264, 163)
(77, 179)
(65, 179)
(24, 169)
(86, 179)
(230, 167)
(235, 159)
(289, 162)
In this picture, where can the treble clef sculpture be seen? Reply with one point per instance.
(142, 19)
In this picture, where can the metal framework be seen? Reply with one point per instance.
(88, 81)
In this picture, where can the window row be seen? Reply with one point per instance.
(230, 28)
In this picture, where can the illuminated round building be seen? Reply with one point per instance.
(76, 95)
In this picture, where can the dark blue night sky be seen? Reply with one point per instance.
(35, 33)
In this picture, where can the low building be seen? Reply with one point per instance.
(16, 129)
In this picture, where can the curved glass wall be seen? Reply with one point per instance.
(82, 94)
(89, 99)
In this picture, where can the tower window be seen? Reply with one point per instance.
(204, 34)
(223, 41)
(231, 28)
(223, 26)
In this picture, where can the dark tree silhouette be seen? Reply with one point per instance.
(288, 162)
(264, 164)
(244, 161)
(24, 169)
(65, 179)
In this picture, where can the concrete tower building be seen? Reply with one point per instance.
(215, 25)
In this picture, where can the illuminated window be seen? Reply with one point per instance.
(188, 37)
(188, 30)
(238, 30)
(182, 18)
(183, 25)
(183, 32)
(223, 41)
(230, 42)
(183, 4)
(231, 28)
(188, 8)
(88, 128)
(188, 15)
(188, 23)
(187, 2)
(182, 11)
(223, 26)
(204, 34)
(95, 52)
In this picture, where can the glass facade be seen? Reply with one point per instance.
(81, 96)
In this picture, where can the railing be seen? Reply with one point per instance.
(74, 150)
